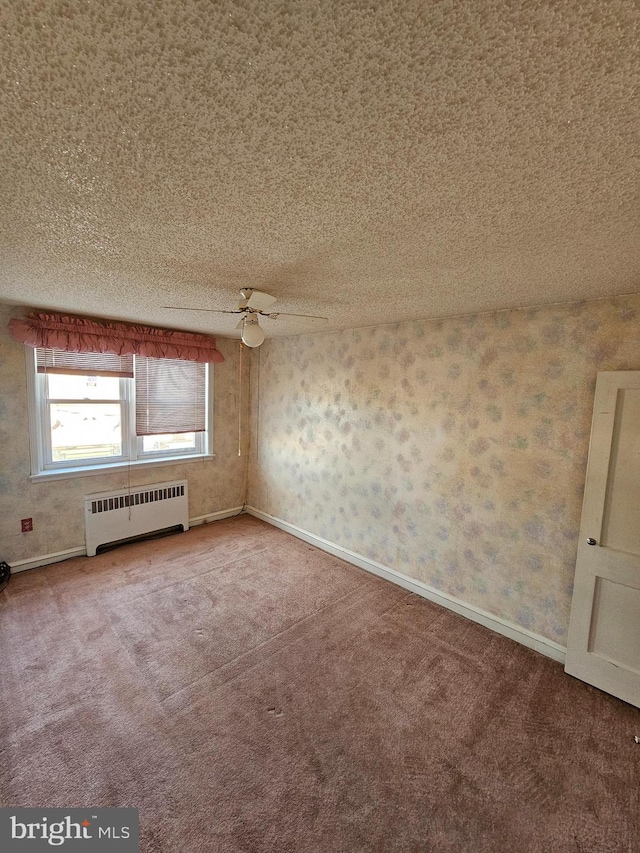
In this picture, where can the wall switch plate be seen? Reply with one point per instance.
(27, 524)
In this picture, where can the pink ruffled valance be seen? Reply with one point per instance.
(80, 334)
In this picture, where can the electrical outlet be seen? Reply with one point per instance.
(27, 524)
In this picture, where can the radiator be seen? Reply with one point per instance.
(112, 516)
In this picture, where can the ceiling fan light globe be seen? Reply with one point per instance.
(252, 334)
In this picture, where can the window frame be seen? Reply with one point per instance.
(133, 453)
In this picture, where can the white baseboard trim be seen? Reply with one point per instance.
(46, 559)
(58, 556)
(501, 626)
(215, 516)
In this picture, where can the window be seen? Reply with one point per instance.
(95, 411)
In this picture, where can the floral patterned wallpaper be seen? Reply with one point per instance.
(57, 506)
(453, 451)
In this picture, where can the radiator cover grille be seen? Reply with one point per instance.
(150, 495)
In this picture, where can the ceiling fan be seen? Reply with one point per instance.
(252, 305)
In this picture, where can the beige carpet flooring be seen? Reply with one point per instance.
(248, 692)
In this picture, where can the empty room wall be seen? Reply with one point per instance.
(451, 451)
(57, 507)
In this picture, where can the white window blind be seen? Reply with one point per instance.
(170, 396)
(50, 360)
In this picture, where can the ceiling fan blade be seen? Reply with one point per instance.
(276, 314)
(210, 310)
(240, 324)
(260, 301)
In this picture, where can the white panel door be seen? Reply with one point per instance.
(604, 633)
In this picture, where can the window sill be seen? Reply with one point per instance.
(113, 467)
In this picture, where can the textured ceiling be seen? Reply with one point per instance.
(368, 161)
